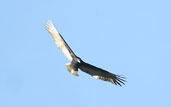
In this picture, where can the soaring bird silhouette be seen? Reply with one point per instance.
(77, 62)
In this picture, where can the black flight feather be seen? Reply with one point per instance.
(99, 73)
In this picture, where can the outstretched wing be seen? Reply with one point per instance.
(60, 42)
(99, 73)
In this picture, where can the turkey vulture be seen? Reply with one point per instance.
(77, 62)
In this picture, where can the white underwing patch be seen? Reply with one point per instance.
(96, 76)
(58, 39)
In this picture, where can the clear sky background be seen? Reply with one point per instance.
(127, 37)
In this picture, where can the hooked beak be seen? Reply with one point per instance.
(78, 60)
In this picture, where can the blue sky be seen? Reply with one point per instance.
(130, 38)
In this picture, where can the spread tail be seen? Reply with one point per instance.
(71, 70)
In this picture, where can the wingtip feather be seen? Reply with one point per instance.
(49, 25)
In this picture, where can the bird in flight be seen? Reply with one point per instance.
(77, 63)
